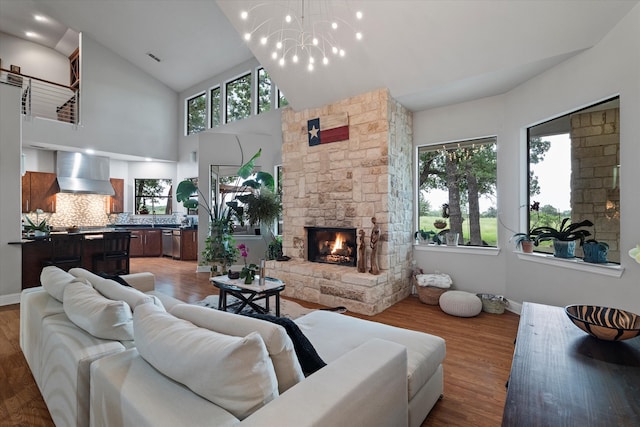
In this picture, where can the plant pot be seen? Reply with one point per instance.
(218, 268)
(564, 249)
(440, 225)
(526, 246)
(595, 252)
(451, 239)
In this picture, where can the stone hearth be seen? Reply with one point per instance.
(345, 184)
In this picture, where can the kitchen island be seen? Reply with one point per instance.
(36, 250)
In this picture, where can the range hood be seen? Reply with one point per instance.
(82, 174)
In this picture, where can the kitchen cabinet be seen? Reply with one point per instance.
(116, 202)
(147, 242)
(189, 245)
(39, 191)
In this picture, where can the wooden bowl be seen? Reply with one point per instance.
(609, 324)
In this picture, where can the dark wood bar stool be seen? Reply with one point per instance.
(115, 253)
(66, 251)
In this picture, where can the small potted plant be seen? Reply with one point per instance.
(523, 241)
(38, 228)
(564, 238)
(595, 252)
(424, 236)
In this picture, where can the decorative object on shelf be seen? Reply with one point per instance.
(564, 238)
(523, 241)
(375, 236)
(233, 274)
(309, 33)
(440, 224)
(362, 250)
(595, 252)
(635, 253)
(493, 304)
(452, 238)
(609, 324)
(37, 228)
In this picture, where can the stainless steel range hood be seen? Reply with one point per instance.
(82, 174)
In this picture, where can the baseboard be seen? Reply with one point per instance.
(9, 299)
(514, 307)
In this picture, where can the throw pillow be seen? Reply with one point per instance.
(308, 357)
(115, 291)
(99, 316)
(279, 345)
(235, 373)
(54, 280)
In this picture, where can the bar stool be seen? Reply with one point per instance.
(66, 251)
(115, 251)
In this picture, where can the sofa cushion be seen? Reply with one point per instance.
(113, 290)
(99, 316)
(335, 334)
(232, 372)
(279, 345)
(54, 280)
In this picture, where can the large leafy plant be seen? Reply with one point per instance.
(568, 231)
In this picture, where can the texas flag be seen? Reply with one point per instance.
(325, 129)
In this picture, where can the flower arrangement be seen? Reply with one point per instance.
(249, 271)
(40, 227)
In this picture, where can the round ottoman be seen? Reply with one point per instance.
(460, 303)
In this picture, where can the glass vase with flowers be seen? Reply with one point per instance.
(249, 271)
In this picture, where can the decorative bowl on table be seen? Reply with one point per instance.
(609, 324)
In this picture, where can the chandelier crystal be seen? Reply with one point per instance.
(307, 33)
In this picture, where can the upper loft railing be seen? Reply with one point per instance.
(45, 99)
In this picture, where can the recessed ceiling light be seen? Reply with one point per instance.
(90, 151)
(40, 18)
(148, 159)
(31, 34)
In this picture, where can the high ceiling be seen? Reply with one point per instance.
(427, 53)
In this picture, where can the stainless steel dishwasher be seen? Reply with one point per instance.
(167, 242)
(175, 245)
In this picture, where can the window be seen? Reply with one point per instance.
(238, 96)
(264, 91)
(153, 196)
(456, 191)
(574, 172)
(196, 114)
(282, 101)
(215, 102)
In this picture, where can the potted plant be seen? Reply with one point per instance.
(425, 236)
(440, 223)
(37, 228)
(595, 252)
(523, 241)
(220, 250)
(564, 238)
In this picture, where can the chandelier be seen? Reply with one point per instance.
(309, 32)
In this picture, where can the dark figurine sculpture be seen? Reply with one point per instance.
(375, 235)
(362, 262)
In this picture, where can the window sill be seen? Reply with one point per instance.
(475, 250)
(609, 269)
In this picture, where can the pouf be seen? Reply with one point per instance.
(460, 303)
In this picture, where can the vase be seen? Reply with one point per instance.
(248, 279)
(451, 239)
(527, 246)
(595, 252)
(564, 249)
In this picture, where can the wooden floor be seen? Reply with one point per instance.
(476, 367)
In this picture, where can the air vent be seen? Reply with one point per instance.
(152, 56)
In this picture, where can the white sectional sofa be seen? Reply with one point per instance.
(195, 366)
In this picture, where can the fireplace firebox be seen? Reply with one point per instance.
(332, 245)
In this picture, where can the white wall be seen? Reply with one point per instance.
(612, 67)
(34, 60)
(10, 184)
(123, 110)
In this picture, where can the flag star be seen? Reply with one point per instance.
(314, 132)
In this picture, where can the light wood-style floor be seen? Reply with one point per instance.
(476, 368)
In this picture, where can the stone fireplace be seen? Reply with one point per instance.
(332, 245)
(343, 185)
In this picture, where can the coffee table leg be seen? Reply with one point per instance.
(278, 304)
(222, 300)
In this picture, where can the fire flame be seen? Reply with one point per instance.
(337, 245)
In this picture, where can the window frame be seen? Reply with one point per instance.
(226, 96)
(186, 112)
(220, 106)
(256, 90)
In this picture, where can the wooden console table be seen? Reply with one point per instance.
(560, 376)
